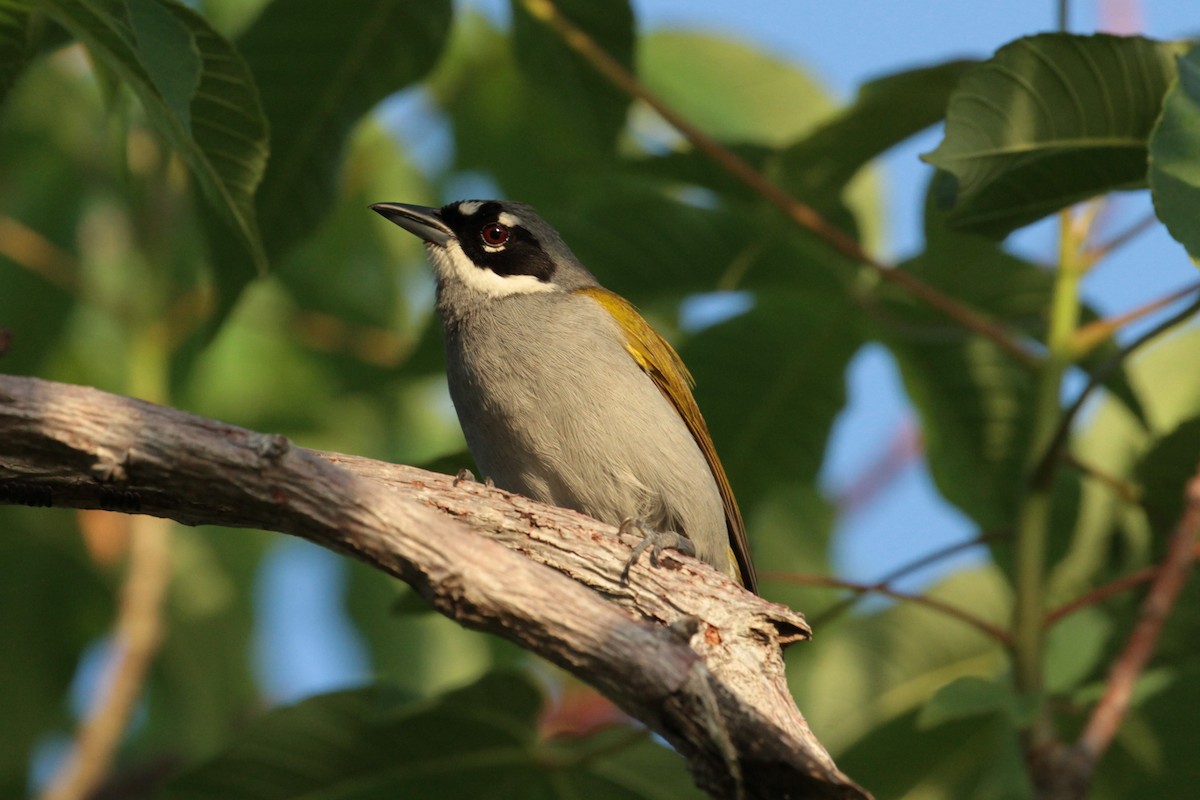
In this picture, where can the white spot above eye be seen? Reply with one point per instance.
(511, 220)
(453, 266)
(469, 207)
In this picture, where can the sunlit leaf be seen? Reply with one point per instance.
(1048, 121)
(872, 668)
(1075, 647)
(1175, 156)
(730, 90)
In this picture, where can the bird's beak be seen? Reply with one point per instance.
(417, 220)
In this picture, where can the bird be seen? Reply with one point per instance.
(564, 393)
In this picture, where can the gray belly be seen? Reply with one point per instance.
(567, 417)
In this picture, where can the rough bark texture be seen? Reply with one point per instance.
(679, 647)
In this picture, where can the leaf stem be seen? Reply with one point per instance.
(1033, 522)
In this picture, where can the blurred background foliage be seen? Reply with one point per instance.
(183, 194)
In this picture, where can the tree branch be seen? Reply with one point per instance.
(134, 642)
(679, 647)
(1071, 769)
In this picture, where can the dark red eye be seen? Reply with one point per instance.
(494, 234)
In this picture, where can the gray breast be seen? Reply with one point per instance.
(553, 407)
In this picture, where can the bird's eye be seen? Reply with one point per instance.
(494, 234)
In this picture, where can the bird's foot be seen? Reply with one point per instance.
(466, 475)
(654, 541)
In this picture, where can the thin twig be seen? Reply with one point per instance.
(932, 603)
(903, 570)
(29, 249)
(1121, 239)
(1108, 714)
(1090, 335)
(1099, 376)
(1105, 591)
(801, 213)
(138, 632)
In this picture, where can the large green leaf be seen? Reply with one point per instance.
(319, 69)
(223, 137)
(1048, 121)
(886, 111)
(476, 742)
(1175, 156)
(770, 383)
(974, 399)
(561, 84)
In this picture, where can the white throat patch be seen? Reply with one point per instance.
(453, 266)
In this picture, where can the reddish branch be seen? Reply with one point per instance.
(932, 603)
(1172, 575)
(679, 646)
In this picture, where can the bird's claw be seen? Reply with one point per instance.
(654, 541)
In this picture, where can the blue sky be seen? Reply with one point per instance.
(843, 44)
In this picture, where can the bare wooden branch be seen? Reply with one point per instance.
(679, 647)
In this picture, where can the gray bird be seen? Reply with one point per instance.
(564, 393)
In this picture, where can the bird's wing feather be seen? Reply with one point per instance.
(664, 366)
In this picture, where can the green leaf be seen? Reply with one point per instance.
(968, 696)
(319, 73)
(14, 41)
(976, 757)
(729, 90)
(1175, 156)
(583, 104)
(349, 265)
(1075, 647)
(873, 668)
(1164, 472)
(168, 52)
(760, 374)
(1048, 121)
(480, 741)
(886, 111)
(975, 406)
(1154, 755)
(224, 139)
